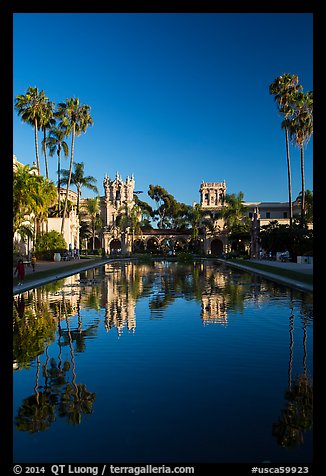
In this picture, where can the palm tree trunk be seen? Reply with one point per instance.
(69, 177)
(59, 183)
(302, 186)
(36, 147)
(45, 155)
(289, 175)
(78, 195)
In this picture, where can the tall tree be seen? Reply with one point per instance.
(75, 119)
(237, 222)
(308, 204)
(146, 212)
(47, 121)
(56, 143)
(30, 107)
(283, 88)
(130, 219)
(167, 206)
(46, 193)
(79, 180)
(92, 213)
(301, 130)
(32, 195)
(195, 217)
(235, 212)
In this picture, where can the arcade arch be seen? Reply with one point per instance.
(216, 247)
(115, 246)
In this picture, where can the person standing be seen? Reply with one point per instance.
(33, 261)
(20, 270)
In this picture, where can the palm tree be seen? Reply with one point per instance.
(196, 215)
(235, 211)
(235, 215)
(30, 107)
(308, 204)
(79, 180)
(93, 214)
(23, 196)
(47, 121)
(75, 119)
(130, 218)
(301, 129)
(283, 88)
(56, 143)
(32, 195)
(46, 194)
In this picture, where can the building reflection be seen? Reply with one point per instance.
(213, 309)
(52, 325)
(122, 287)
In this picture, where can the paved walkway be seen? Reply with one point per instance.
(60, 265)
(62, 270)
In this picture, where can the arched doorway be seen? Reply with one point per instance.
(152, 245)
(115, 246)
(181, 245)
(216, 247)
(167, 245)
(139, 246)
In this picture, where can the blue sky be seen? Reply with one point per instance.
(175, 98)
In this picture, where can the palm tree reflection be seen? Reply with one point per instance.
(37, 411)
(58, 396)
(296, 418)
(76, 399)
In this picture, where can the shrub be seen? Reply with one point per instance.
(48, 244)
(184, 257)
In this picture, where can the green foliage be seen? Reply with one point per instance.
(49, 243)
(170, 212)
(32, 195)
(33, 107)
(185, 258)
(275, 237)
(31, 329)
(297, 417)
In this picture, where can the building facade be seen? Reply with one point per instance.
(118, 199)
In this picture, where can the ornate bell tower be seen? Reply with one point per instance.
(212, 194)
(118, 194)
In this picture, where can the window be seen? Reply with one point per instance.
(268, 214)
(285, 214)
(250, 214)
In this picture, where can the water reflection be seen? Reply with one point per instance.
(297, 417)
(58, 393)
(55, 323)
(119, 295)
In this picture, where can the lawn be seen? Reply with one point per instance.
(282, 272)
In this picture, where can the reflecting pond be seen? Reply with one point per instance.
(163, 362)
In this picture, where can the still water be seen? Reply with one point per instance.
(163, 362)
